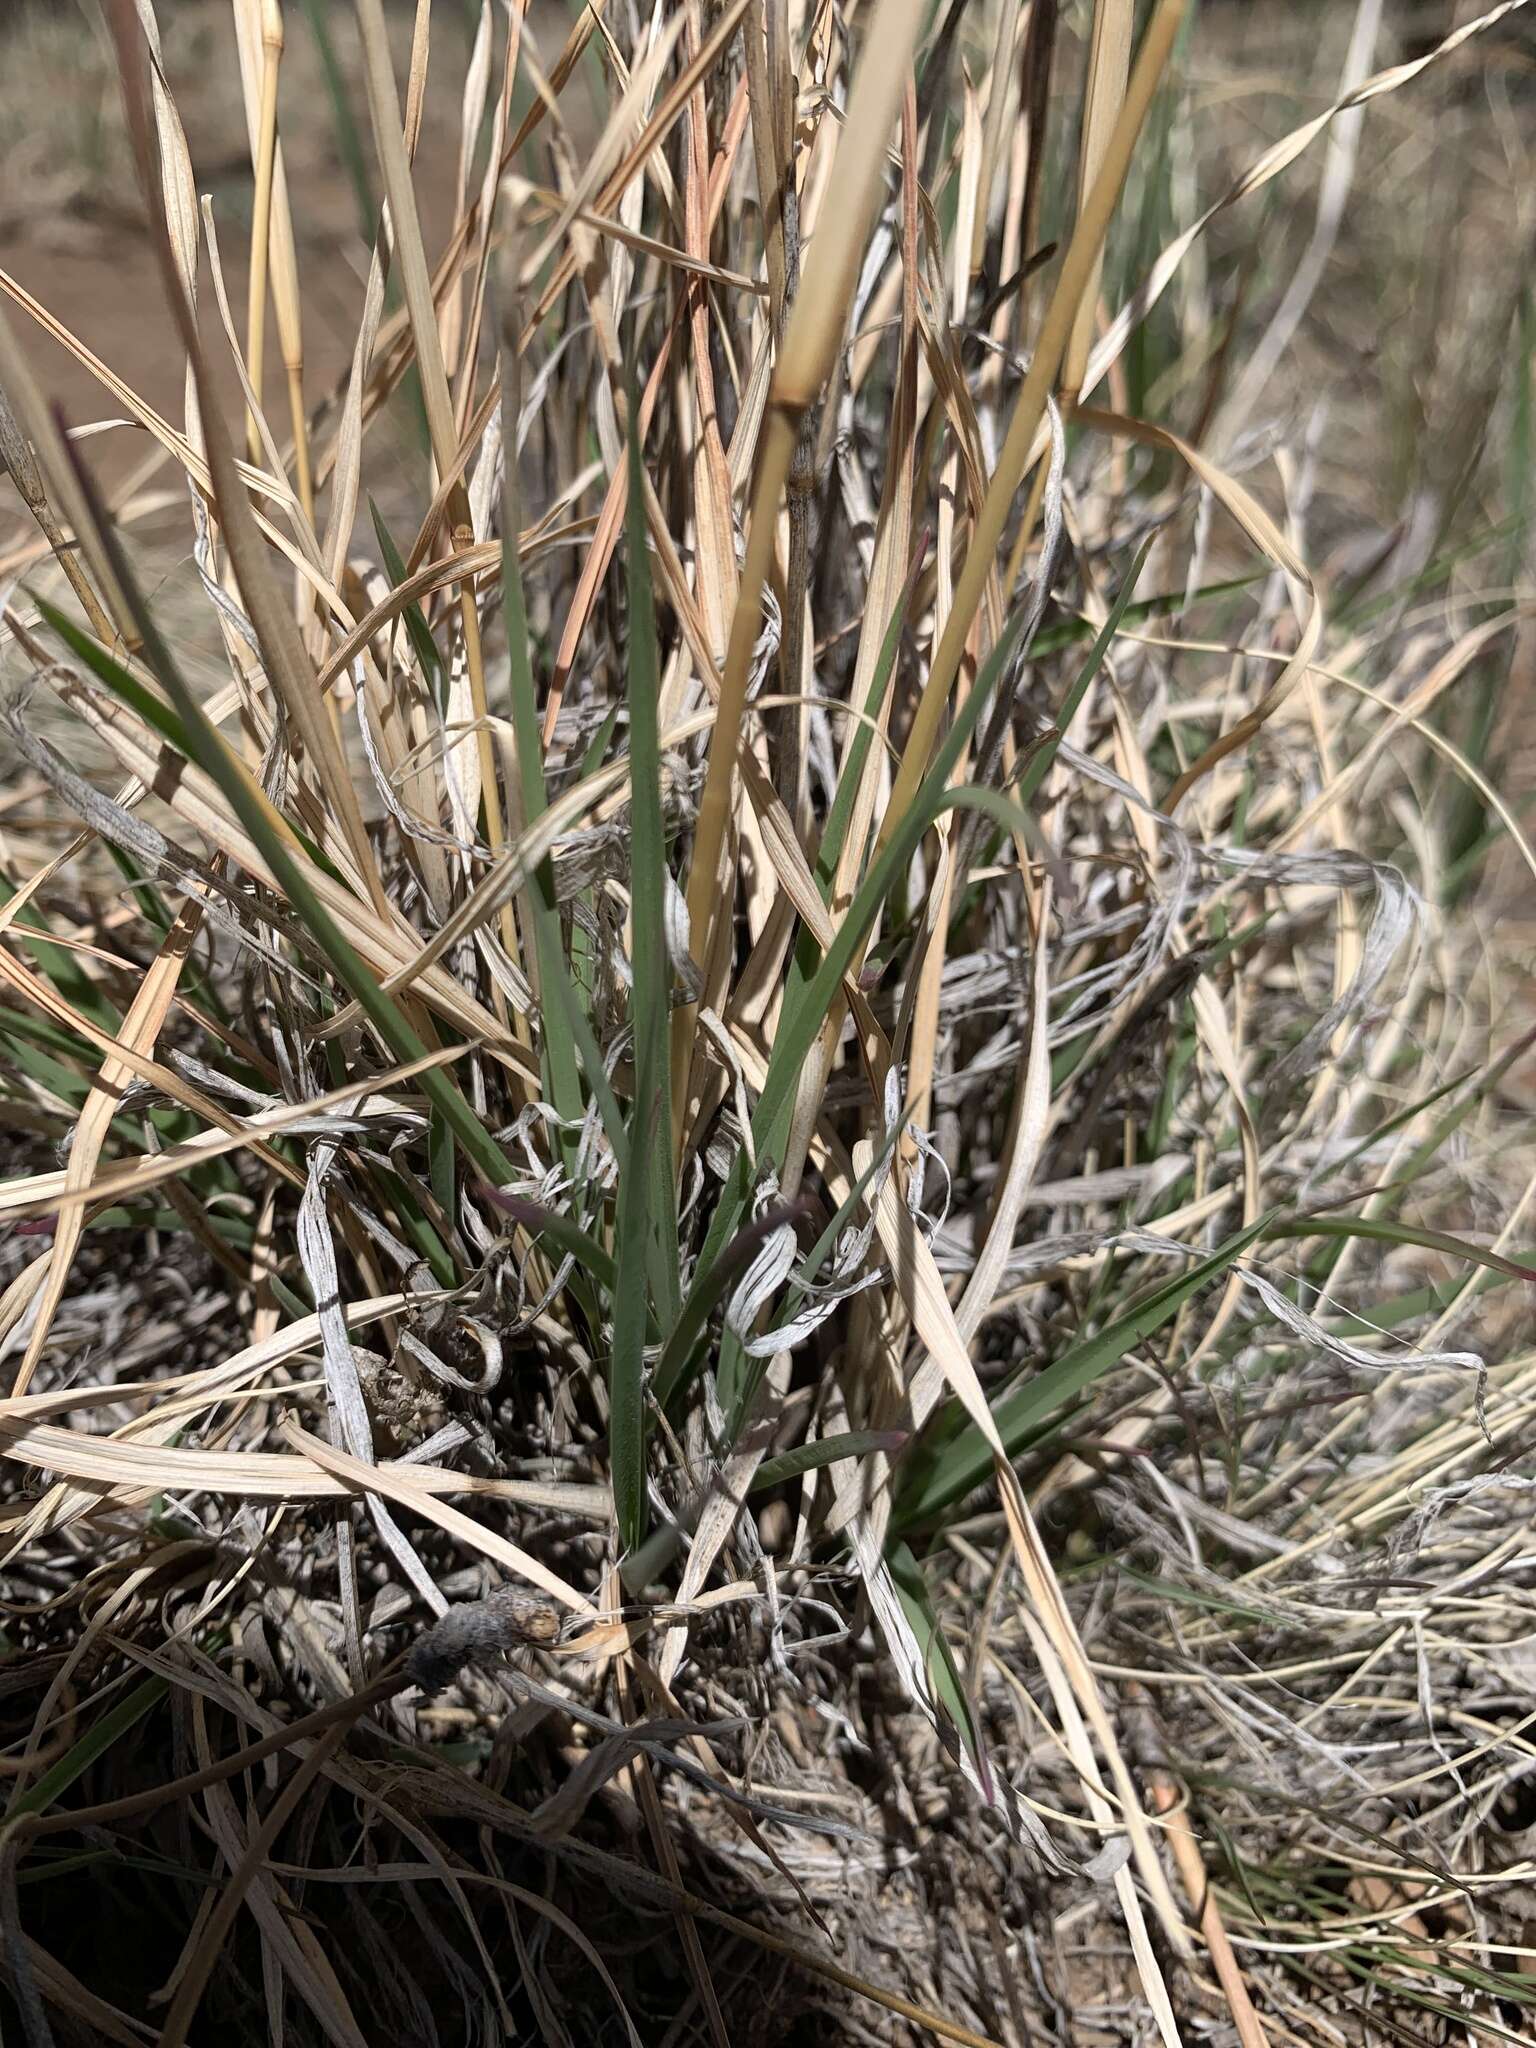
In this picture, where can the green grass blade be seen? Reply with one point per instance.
(349, 141)
(96, 1741)
(1385, 1232)
(626, 1383)
(931, 1485)
(198, 740)
(567, 1043)
(647, 1208)
(648, 881)
(826, 1450)
(419, 632)
(938, 1658)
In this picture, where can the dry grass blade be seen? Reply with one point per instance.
(288, 663)
(141, 1027)
(1109, 68)
(409, 1488)
(810, 338)
(1078, 265)
(385, 109)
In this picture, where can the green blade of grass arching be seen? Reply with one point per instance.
(932, 1484)
(46, 1866)
(238, 1234)
(349, 141)
(652, 994)
(1386, 1232)
(202, 745)
(567, 1043)
(97, 1740)
(647, 1248)
(825, 1450)
(1522, 432)
(163, 718)
(938, 1658)
(419, 632)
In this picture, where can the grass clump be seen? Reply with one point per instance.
(766, 1268)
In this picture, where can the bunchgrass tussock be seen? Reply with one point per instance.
(764, 1024)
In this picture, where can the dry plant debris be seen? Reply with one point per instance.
(767, 1267)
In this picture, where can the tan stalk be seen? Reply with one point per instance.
(660, 125)
(396, 342)
(810, 339)
(892, 541)
(344, 452)
(595, 566)
(488, 192)
(261, 212)
(1000, 102)
(1109, 67)
(477, 81)
(765, 151)
(1029, 409)
(21, 463)
(715, 526)
(37, 456)
(384, 106)
(287, 663)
